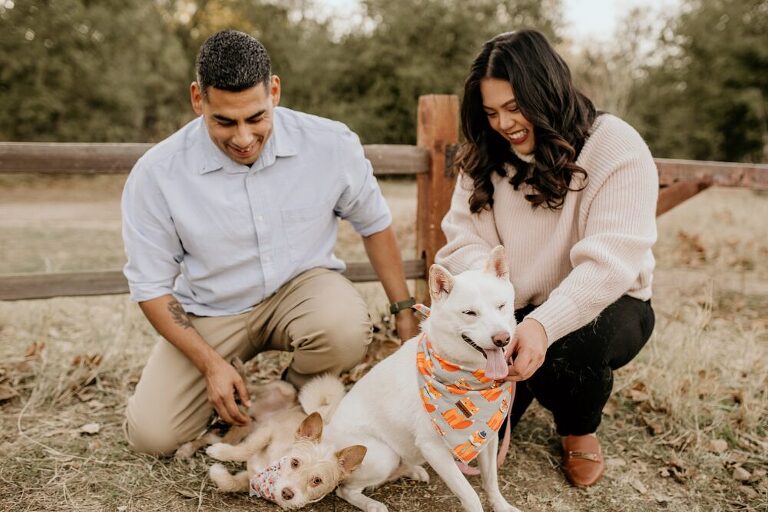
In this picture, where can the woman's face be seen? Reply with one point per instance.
(504, 116)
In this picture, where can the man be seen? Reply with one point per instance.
(229, 227)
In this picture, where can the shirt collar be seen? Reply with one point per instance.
(281, 143)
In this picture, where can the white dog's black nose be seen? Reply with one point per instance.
(501, 339)
(287, 494)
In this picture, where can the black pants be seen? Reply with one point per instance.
(576, 379)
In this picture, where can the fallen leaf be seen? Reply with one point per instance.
(654, 425)
(35, 350)
(638, 486)
(718, 445)
(188, 494)
(95, 404)
(90, 428)
(741, 474)
(748, 492)
(615, 462)
(7, 392)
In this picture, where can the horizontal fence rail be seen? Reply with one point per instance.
(118, 158)
(387, 159)
(722, 174)
(433, 160)
(112, 282)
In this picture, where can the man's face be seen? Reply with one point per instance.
(239, 123)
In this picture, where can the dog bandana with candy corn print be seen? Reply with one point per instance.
(263, 483)
(464, 405)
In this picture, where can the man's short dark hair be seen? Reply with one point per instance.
(232, 61)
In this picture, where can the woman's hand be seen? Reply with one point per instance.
(223, 382)
(526, 352)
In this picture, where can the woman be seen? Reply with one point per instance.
(571, 194)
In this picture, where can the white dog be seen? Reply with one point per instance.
(440, 396)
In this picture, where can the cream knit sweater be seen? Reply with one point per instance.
(574, 261)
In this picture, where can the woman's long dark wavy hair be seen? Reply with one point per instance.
(561, 117)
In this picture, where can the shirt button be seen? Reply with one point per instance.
(266, 259)
(259, 218)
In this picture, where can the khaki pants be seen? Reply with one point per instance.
(318, 315)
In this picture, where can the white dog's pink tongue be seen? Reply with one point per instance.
(495, 365)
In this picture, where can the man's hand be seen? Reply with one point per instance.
(223, 382)
(406, 324)
(526, 352)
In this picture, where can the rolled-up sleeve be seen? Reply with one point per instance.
(152, 247)
(361, 201)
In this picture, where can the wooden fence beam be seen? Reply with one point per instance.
(112, 282)
(118, 158)
(438, 128)
(722, 174)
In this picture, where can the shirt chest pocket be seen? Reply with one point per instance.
(307, 229)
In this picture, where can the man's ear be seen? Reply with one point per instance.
(196, 97)
(311, 428)
(440, 282)
(274, 90)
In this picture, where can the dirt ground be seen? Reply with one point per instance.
(686, 429)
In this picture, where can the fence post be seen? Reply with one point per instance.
(438, 127)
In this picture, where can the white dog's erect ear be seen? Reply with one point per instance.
(440, 281)
(497, 263)
(350, 458)
(311, 428)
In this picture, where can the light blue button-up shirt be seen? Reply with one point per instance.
(222, 236)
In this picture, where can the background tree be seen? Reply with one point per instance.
(706, 99)
(414, 48)
(73, 70)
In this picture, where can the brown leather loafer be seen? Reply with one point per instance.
(582, 460)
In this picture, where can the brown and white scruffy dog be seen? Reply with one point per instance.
(287, 461)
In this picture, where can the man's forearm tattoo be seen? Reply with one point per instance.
(179, 315)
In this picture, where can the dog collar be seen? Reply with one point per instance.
(263, 484)
(464, 406)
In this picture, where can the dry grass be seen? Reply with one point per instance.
(686, 429)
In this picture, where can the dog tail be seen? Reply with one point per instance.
(322, 394)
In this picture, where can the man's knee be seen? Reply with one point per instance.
(155, 435)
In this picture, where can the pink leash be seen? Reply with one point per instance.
(471, 470)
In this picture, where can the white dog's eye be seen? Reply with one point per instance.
(469, 312)
(294, 463)
(501, 306)
(316, 481)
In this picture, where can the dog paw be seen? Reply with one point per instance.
(502, 506)
(419, 474)
(185, 451)
(376, 507)
(218, 472)
(217, 451)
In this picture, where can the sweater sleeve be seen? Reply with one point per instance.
(470, 237)
(618, 233)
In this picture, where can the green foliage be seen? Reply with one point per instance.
(414, 48)
(707, 99)
(77, 70)
(73, 70)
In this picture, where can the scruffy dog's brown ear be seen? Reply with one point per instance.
(311, 428)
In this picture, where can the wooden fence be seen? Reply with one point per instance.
(431, 160)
